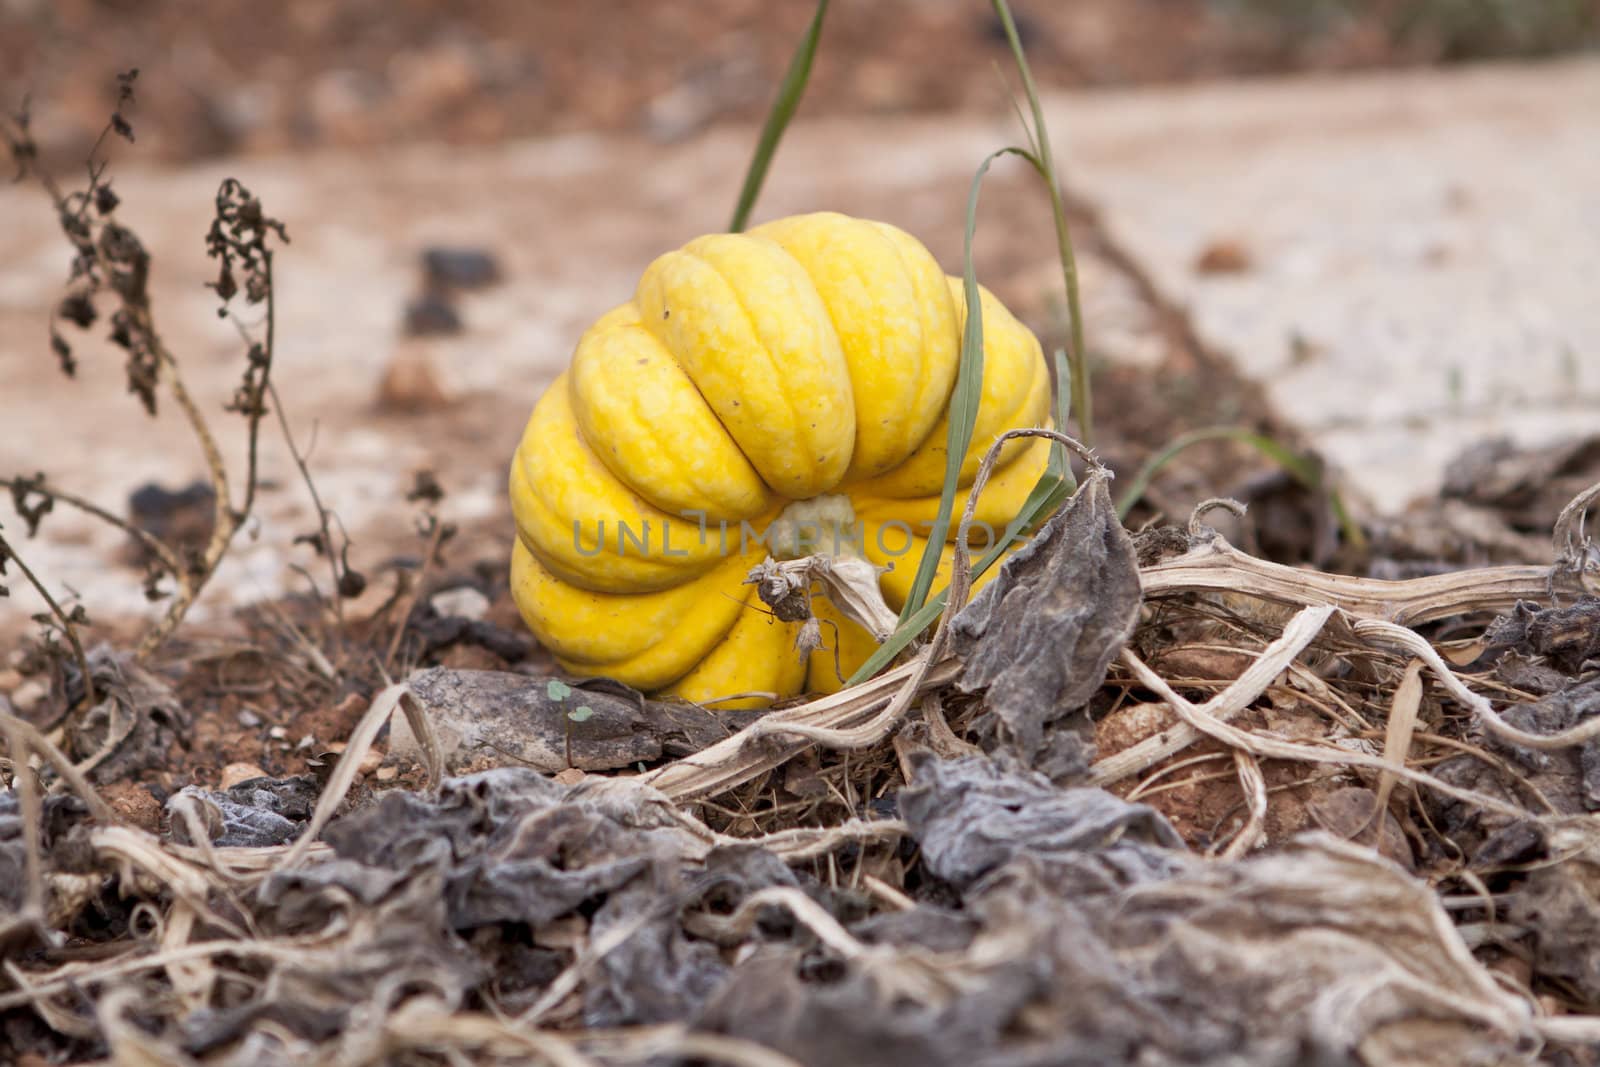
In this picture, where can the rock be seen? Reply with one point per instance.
(29, 694)
(1224, 256)
(234, 773)
(460, 268)
(432, 315)
(462, 602)
(527, 721)
(133, 803)
(410, 386)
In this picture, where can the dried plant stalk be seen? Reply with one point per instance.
(1215, 566)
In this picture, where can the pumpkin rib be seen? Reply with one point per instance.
(664, 456)
(945, 370)
(862, 275)
(796, 419)
(750, 319)
(581, 472)
(634, 638)
(833, 322)
(756, 654)
(775, 387)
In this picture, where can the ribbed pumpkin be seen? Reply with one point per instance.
(754, 378)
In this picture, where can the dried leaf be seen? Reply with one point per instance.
(1038, 639)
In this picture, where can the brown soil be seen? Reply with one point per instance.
(237, 78)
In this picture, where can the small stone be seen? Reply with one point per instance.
(277, 733)
(133, 804)
(1224, 256)
(305, 743)
(410, 386)
(234, 773)
(432, 315)
(463, 602)
(460, 268)
(180, 517)
(370, 762)
(29, 694)
(387, 774)
(465, 656)
(248, 719)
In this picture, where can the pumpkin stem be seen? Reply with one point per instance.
(817, 543)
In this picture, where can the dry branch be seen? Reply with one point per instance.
(1214, 566)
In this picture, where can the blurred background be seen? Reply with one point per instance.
(233, 77)
(1365, 227)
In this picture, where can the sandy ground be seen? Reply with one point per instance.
(573, 219)
(1416, 252)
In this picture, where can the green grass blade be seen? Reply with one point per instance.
(1054, 486)
(1274, 451)
(964, 400)
(1044, 162)
(1045, 497)
(1300, 468)
(783, 108)
(1059, 467)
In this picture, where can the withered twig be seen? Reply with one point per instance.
(68, 627)
(26, 789)
(323, 527)
(1217, 567)
(409, 603)
(150, 541)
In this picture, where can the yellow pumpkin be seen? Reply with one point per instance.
(795, 376)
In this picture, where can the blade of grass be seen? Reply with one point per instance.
(1044, 162)
(1296, 465)
(1040, 504)
(1300, 468)
(1054, 486)
(783, 108)
(1059, 466)
(964, 399)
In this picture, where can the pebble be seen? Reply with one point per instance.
(387, 774)
(249, 719)
(234, 773)
(463, 602)
(460, 268)
(432, 315)
(410, 385)
(277, 733)
(29, 694)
